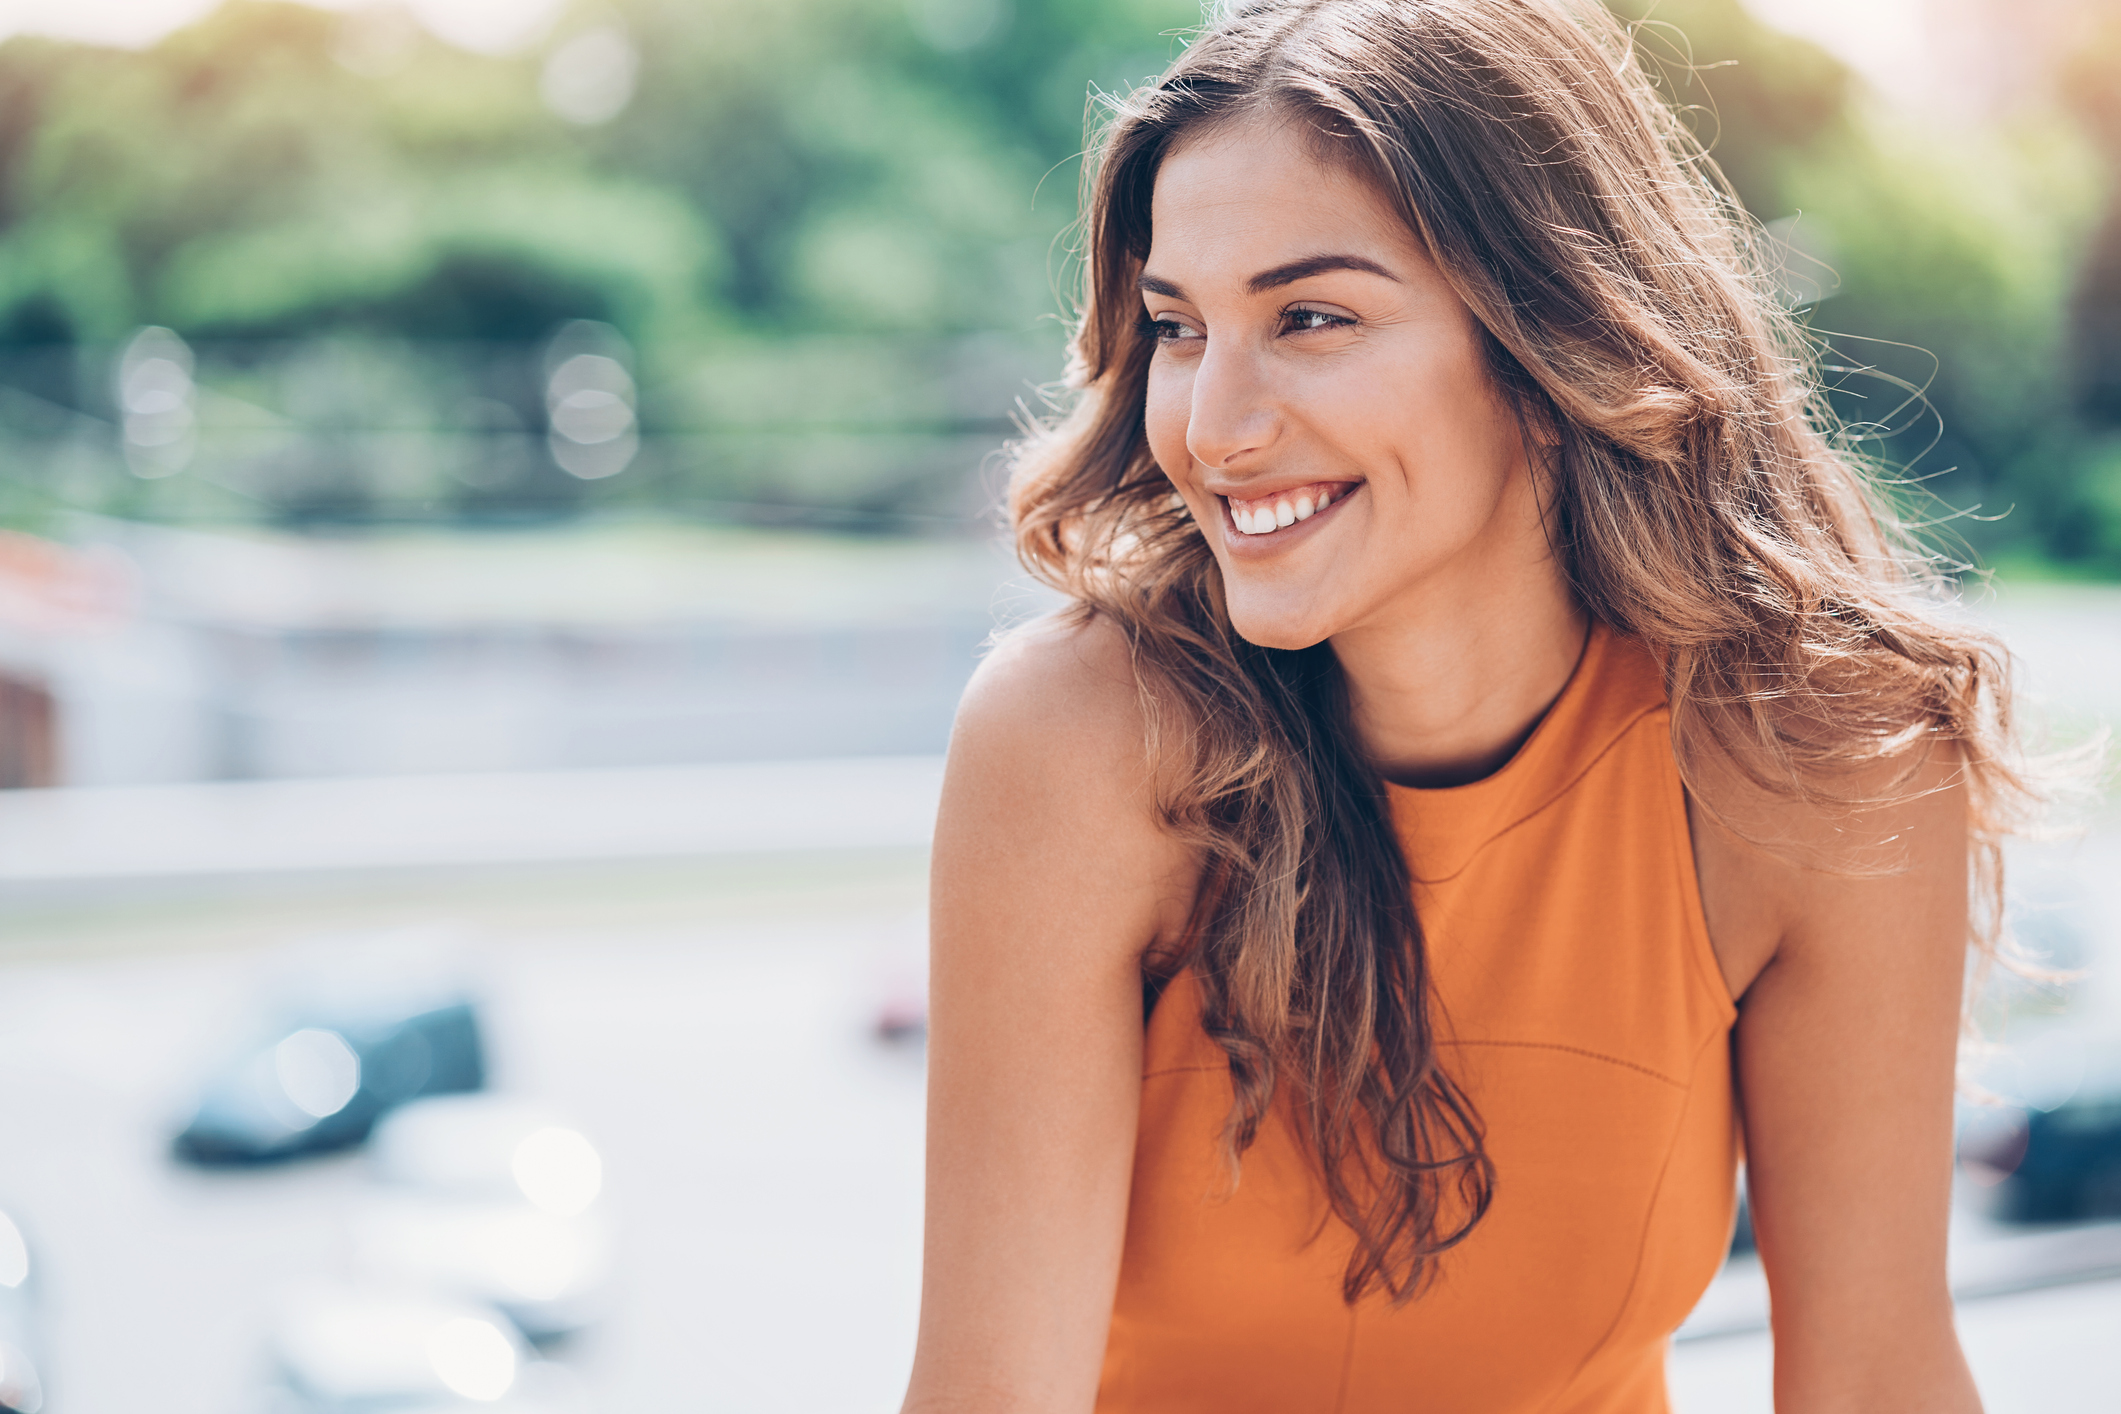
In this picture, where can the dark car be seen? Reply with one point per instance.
(2054, 1155)
(2071, 1170)
(323, 1085)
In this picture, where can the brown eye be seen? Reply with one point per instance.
(1305, 321)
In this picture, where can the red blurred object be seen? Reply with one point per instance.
(903, 1018)
(47, 588)
(1994, 1156)
(29, 745)
(47, 591)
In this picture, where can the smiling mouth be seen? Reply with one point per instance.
(1264, 515)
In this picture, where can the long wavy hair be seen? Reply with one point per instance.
(1697, 497)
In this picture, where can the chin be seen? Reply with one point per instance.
(1277, 626)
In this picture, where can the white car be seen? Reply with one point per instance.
(490, 1199)
(352, 1349)
(21, 1391)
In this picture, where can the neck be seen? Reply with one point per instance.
(1445, 687)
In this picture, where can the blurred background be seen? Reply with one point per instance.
(496, 509)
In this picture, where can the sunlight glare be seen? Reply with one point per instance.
(559, 1171)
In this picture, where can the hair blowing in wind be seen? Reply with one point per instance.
(1694, 498)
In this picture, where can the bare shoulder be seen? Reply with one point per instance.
(1051, 879)
(1783, 870)
(1845, 1045)
(1050, 778)
(1069, 682)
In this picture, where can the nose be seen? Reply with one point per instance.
(1232, 411)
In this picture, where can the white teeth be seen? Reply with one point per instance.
(1264, 518)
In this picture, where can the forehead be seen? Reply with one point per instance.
(1255, 194)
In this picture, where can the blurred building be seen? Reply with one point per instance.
(28, 745)
(260, 655)
(54, 603)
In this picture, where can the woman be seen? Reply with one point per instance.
(1499, 743)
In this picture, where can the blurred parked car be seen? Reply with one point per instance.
(2055, 1155)
(323, 1085)
(492, 1199)
(2071, 1170)
(21, 1392)
(351, 1350)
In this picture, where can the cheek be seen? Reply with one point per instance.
(1447, 427)
(1165, 409)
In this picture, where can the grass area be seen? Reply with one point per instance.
(517, 902)
(2022, 567)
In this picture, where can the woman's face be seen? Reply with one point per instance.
(1318, 394)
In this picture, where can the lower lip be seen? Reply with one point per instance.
(1282, 536)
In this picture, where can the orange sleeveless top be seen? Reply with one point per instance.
(1582, 1009)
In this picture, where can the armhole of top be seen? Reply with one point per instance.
(1703, 947)
(1154, 985)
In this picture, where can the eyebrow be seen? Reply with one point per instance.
(1280, 275)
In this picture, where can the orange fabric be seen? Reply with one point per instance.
(1587, 1018)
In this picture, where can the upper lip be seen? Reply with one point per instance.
(1267, 491)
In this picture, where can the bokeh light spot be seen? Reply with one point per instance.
(473, 1358)
(590, 79)
(318, 1071)
(558, 1170)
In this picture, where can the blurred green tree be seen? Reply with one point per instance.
(237, 181)
(1941, 261)
(830, 196)
(822, 164)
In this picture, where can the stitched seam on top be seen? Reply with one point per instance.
(1183, 1070)
(1626, 729)
(1649, 1216)
(1707, 967)
(1577, 1051)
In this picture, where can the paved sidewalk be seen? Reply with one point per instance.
(707, 1023)
(115, 836)
(687, 960)
(2052, 1351)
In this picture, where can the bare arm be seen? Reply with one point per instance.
(1051, 877)
(1848, 1026)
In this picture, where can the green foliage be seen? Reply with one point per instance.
(2091, 532)
(238, 181)
(811, 166)
(832, 230)
(367, 236)
(1750, 93)
(1949, 255)
(1956, 265)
